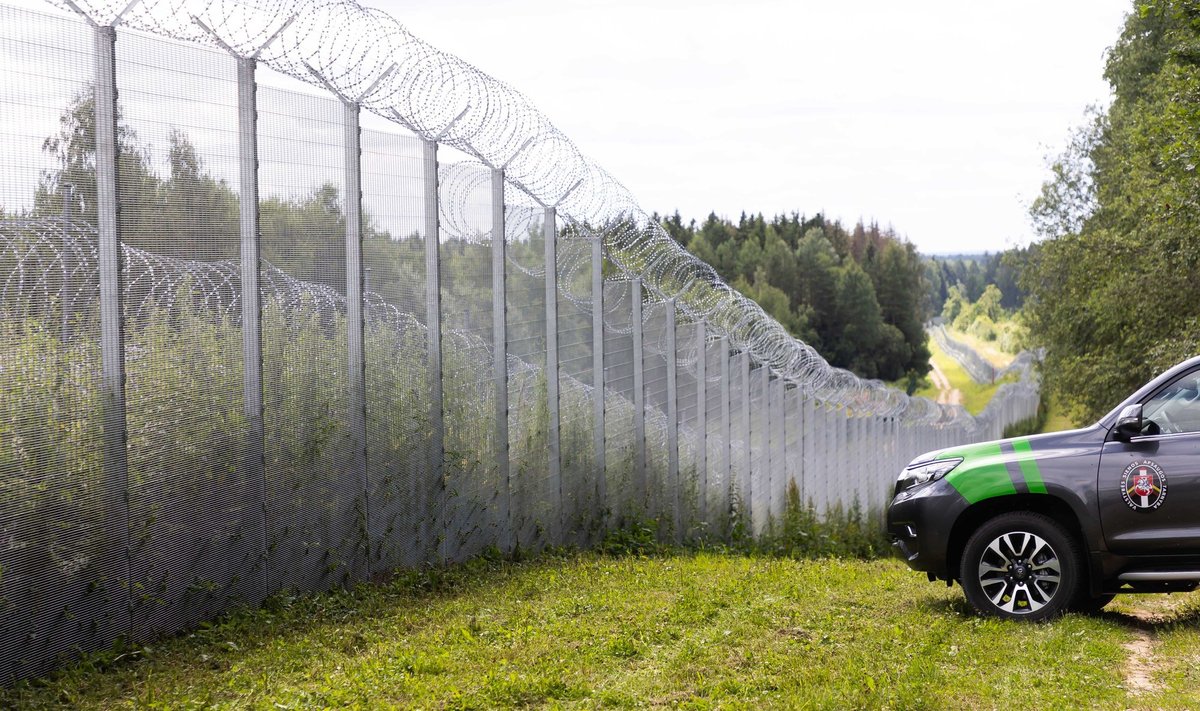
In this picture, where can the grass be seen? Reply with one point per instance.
(975, 395)
(1051, 417)
(699, 629)
(1057, 418)
(1172, 623)
(988, 350)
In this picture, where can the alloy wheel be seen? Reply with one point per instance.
(1019, 572)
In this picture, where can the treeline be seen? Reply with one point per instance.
(985, 318)
(972, 273)
(1114, 289)
(858, 296)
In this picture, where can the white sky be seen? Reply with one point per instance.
(934, 116)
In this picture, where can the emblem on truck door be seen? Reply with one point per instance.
(1144, 485)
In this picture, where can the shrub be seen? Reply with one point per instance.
(983, 327)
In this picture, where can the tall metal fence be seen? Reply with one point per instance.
(978, 367)
(247, 344)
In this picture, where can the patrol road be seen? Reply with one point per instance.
(947, 394)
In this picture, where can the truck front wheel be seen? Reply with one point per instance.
(1021, 566)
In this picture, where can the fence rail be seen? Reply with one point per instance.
(250, 345)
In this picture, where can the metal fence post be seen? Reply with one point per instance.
(702, 419)
(639, 399)
(726, 465)
(252, 359)
(112, 327)
(849, 474)
(880, 428)
(841, 449)
(808, 462)
(856, 453)
(500, 360)
(550, 230)
(796, 468)
(433, 325)
(746, 480)
(673, 424)
(772, 444)
(826, 427)
(870, 434)
(785, 477)
(764, 477)
(355, 318)
(598, 374)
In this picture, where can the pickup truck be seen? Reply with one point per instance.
(1032, 527)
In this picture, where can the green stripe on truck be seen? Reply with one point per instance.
(1029, 466)
(982, 475)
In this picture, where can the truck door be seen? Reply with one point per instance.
(1149, 488)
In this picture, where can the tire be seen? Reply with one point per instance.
(1021, 566)
(1088, 605)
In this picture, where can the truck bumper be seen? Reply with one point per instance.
(920, 520)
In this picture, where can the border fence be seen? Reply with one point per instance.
(980, 370)
(248, 344)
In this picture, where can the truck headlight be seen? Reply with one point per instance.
(925, 472)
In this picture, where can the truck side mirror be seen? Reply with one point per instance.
(1129, 423)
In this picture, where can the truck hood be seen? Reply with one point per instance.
(1005, 466)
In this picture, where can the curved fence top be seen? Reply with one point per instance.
(368, 58)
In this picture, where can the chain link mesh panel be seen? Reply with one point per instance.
(61, 552)
(760, 454)
(778, 482)
(316, 507)
(687, 391)
(396, 348)
(794, 405)
(532, 490)
(469, 390)
(742, 458)
(577, 419)
(620, 452)
(196, 522)
(655, 353)
(716, 513)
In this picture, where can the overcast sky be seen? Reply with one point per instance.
(934, 117)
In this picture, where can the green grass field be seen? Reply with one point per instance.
(674, 630)
(989, 350)
(975, 395)
(1058, 419)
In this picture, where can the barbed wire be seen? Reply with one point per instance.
(367, 57)
(49, 268)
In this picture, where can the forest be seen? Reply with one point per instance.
(1114, 285)
(856, 295)
(972, 273)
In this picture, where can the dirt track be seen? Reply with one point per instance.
(946, 394)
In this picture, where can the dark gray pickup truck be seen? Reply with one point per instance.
(1032, 527)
